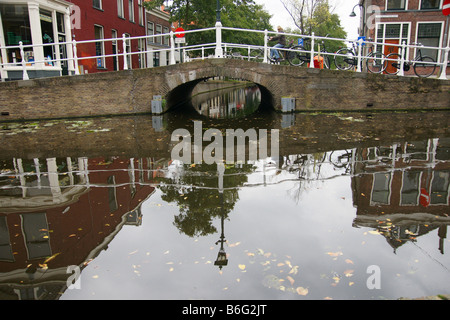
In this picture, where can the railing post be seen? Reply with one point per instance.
(203, 53)
(401, 71)
(219, 50)
(443, 75)
(311, 63)
(125, 55)
(172, 49)
(360, 42)
(266, 41)
(75, 57)
(24, 64)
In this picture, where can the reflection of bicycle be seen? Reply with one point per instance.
(341, 159)
(424, 66)
(347, 58)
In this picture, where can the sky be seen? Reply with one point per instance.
(342, 7)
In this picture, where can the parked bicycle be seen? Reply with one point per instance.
(290, 53)
(347, 58)
(424, 66)
(321, 48)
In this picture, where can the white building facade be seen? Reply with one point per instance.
(43, 27)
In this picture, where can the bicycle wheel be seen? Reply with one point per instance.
(326, 62)
(297, 58)
(345, 59)
(257, 55)
(376, 62)
(423, 68)
(393, 63)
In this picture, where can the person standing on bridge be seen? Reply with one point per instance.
(281, 38)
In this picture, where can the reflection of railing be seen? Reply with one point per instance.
(217, 49)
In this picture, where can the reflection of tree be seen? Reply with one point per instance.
(197, 195)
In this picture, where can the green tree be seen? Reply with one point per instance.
(199, 14)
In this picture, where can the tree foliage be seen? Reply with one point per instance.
(198, 14)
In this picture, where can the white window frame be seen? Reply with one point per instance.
(383, 40)
(141, 12)
(131, 10)
(440, 5)
(102, 48)
(114, 35)
(99, 7)
(120, 9)
(441, 38)
(406, 6)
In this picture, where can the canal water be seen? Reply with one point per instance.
(339, 206)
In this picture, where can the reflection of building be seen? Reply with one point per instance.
(43, 24)
(65, 209)
(403, 190)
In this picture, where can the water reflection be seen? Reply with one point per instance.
(235, 99)
(71, 211)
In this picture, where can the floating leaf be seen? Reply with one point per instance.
(52, 257)
(302, 291)
(294, 270)
(241, 266)
(335, 254)
(291, 280)
(348, 273)
(349, 261)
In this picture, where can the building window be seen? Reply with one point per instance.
(128, 50)
(141, 49)
(396, 4)
(131, 10)
(410, 188)
(429, 35)
(150, 32)
(35, 230)
(16, 28)
(440, 187)
(141, 13)
(120, 8)
(430, 4)
(47, 35)
(114, 50)
(167, 37)
(158, 31)
(156, 57)
(6, 253)
(99, 46)
(97, 4)
(381, 188)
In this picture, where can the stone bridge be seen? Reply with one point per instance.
(132, 91)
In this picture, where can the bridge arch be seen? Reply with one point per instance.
(180, 84)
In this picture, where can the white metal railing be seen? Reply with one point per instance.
(218, 49)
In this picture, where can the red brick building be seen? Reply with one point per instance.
(412, 21)
(107, 19)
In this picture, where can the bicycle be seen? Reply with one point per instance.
(292, 57)
(347, 58)
(422, 70)
(321, 49)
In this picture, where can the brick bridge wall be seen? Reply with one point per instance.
(131, 91)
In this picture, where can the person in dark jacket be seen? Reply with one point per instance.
(281, 38)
